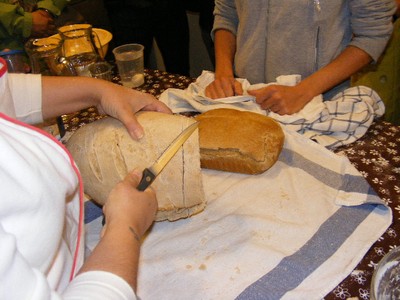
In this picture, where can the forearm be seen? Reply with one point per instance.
(225, 48)
(118, 253)
(62, 95)
(350, 61)
(129, 214)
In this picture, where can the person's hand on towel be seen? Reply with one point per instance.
(285, 97)
(224, 86)
(280, 99)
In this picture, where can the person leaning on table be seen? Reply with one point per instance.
(41, 212)
(322, 40)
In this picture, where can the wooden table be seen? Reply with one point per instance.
(376, 156)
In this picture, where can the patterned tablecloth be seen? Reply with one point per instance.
(376, 156)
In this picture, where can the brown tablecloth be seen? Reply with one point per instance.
(376, 156)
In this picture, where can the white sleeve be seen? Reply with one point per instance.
(18, 280)
(99, 285)
(26, 91)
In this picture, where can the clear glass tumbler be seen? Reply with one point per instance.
(385, 284)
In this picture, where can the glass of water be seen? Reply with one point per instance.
(101, 70)
(130, 63)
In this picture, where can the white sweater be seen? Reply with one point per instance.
(41, 211)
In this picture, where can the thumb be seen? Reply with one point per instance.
(133, 177)
(133, 126)
(238, 88)
(254, 93)
(261, 94)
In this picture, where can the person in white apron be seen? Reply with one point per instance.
(41, 212)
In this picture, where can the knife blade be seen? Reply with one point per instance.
(150, 173)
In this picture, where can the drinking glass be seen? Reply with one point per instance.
(129, 60)
(385, 284)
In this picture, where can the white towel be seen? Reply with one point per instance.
(293, 232)
(340, 121)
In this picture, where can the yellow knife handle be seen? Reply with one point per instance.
(147, 179)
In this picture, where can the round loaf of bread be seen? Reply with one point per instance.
(105, 152)
(239, 141)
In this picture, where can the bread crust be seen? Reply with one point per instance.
(239, 141)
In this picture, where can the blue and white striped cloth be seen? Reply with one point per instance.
(337, 122)
(293, 232)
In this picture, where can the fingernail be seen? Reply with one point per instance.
(138, 133)
(136, 172)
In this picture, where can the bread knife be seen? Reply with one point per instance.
(150, 173)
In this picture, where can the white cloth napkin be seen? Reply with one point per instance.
(340, 121)
(293, 232)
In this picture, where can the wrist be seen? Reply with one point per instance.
(305, 90)
(224, 74)
(94, 90)
(224, 71)
(127, 228)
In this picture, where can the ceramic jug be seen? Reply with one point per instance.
(46, 57)
(78, 47)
